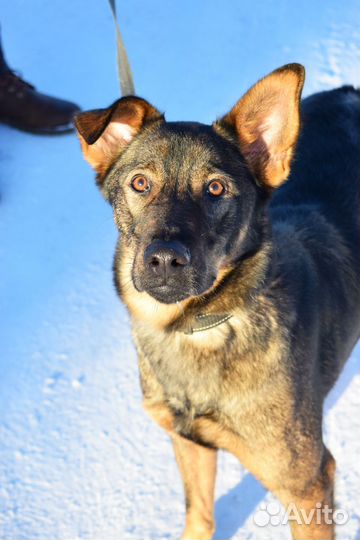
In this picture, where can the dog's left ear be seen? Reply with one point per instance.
(105, 133)
(266, 123)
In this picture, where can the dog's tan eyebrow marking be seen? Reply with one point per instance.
(145, 165)
(213, 171)
(134, 167)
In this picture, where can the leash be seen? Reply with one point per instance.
(124, 71)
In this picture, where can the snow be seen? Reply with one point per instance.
(78, 457)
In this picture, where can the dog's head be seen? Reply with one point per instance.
(189, 198)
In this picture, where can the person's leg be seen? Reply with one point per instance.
(22, 107)
(3, 65)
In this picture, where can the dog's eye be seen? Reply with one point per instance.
(215, 188)
(140, 184)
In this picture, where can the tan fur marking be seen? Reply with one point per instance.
(197, 465)
(160, 414)
(321, 491)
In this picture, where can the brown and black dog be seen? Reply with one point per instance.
(242, 289)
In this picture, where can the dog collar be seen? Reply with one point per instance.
(205, 322)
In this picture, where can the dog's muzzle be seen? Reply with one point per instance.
(166, 271)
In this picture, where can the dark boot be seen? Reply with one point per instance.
(22, 107)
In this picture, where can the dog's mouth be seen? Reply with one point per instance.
(173, 290)
(166, 294)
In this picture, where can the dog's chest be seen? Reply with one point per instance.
(225, 384)
(188, 378)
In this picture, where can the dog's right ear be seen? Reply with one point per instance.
(105, 133)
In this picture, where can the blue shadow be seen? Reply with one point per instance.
(234, 508)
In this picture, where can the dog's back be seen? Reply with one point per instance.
(326, 168)
(316, 215)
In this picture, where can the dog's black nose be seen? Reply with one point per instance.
(166, 258)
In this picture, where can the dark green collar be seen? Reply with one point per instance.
(205, 322)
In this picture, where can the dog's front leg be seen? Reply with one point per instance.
(197, 466)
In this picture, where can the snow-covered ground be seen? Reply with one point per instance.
(78, 457)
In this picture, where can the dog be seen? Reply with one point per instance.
(240, 277)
